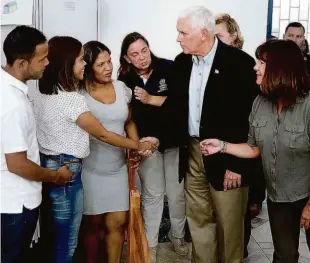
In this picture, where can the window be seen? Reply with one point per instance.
(286, 11)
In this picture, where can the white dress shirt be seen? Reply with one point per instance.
(18, 134)
(198, 81)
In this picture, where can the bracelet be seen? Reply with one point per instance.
(224, 147)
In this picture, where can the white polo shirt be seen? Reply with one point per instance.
(18, 134)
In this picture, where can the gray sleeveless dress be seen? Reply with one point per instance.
(105, 176)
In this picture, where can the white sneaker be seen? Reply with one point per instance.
(153, 253)
(179, 245)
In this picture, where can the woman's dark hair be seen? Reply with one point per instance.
(21, 42)
(126, 67)
(92, 49)
(59, 75)
(286, 77)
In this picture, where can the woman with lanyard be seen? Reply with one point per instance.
(148, 75)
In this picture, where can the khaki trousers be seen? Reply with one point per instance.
(215, 218)
(159, 175)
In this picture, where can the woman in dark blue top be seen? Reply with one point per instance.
(148, 77)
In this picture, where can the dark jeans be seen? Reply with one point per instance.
(61, 210)
(285, 229)
(16, 234)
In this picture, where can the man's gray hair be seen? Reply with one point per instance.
(201, 17)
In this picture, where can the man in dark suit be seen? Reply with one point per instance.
(295, 31)
(211, 94)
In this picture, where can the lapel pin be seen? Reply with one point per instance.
(216, 71)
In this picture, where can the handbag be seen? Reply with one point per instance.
(138, 250)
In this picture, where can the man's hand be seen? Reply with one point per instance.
(231, 180)
(155, 143)
(142, 95)
(63, 175)
(305, 217)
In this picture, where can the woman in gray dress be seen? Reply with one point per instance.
(105, 177)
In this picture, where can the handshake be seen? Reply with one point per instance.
(147, 146)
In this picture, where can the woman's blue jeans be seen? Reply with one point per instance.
(62, 209)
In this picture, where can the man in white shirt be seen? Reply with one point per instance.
(26, 53)
(211, 91)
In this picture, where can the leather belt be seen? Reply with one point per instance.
(195, 138)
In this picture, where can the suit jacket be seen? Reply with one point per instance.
(307, 61)
(229, 94)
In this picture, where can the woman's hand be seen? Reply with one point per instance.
(145, 147)
(305, 217)
(155, 144)
(142, 95)
(211, 146)
(152, 140)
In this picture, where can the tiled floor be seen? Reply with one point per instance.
(260, 247)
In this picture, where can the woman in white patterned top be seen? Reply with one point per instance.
(63, 124)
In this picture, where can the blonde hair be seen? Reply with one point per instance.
(232, 28)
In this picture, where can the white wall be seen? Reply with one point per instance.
(59, 17)
(6, 29)
(156, 20)
(76, 18)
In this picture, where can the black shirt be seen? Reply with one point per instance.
(151, 120)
